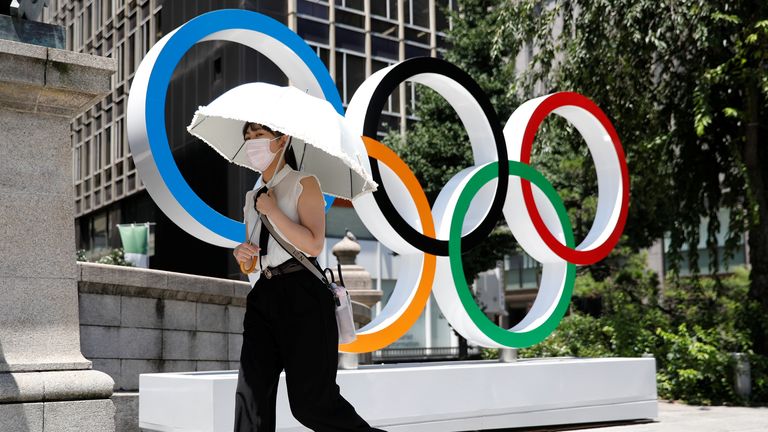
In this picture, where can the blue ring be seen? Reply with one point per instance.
(177, 45)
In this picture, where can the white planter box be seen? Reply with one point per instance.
(426, 397)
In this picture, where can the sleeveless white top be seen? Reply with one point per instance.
(286, 188)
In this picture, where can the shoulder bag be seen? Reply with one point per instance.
(345, 323)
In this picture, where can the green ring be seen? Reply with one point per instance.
(488, 327)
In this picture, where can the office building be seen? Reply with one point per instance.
(354, 38)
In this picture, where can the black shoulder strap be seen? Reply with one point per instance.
(300, 257)
(263, 234)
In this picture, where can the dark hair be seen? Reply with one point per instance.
(290, 157)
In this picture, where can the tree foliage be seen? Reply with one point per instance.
(437, 146)
(691, 328)
(685, 83)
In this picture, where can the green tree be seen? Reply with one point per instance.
(437, 146)
(684, 83)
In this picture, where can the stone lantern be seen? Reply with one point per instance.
(358, 282)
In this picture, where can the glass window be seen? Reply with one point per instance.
(417, 35)
(685, 266)
(87, 21)
(97, 152)
(442, 43)
(71, 37)
(108, 145)
(355, 4)
(78, 163)
(120, 64)
(420, 10)
(107, 8)
(312, 9)
(388, 123)
(325, 56)
(383, 47)
(118, 139)
(415, 51)
(79, 29)
(144, 39)
(130, 53)
(350, 18)
(350, 39)
(312, 30)
(96, 14)
(409, 97)
(394, 100)
(100, 231)
(355, 74)
(522, 272)
(441, 14)
(87, 159)
(393, 103)
(385, 28)
(158, 26)
(379, 7)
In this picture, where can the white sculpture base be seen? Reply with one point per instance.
(426, 397)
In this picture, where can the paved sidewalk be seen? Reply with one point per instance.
(686, 418)
(675, 417)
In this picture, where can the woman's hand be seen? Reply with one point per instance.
(244, 253)
(266, 203)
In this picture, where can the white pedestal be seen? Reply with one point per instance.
(426, 397)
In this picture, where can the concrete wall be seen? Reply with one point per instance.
(135, 321)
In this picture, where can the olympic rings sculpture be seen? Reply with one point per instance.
(430, 241)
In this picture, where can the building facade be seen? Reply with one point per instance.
(354, 38)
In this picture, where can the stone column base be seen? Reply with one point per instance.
(95, 415)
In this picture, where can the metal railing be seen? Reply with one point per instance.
(423, 354)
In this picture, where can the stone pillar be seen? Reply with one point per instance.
(45, 382)
(358, 282)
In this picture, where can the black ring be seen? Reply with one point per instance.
(396, 76)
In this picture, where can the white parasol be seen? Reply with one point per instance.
(322, 142)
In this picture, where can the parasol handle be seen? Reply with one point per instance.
(250, 268)
(252, 265)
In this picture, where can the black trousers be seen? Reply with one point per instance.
(290, 324)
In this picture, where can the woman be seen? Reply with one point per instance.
(289, 319)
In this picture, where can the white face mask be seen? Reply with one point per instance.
(259, 154)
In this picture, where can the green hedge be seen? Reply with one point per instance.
(691, 327)
(115, 256)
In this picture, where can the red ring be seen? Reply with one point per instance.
(572, 255)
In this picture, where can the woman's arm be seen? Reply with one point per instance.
(309, 234)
